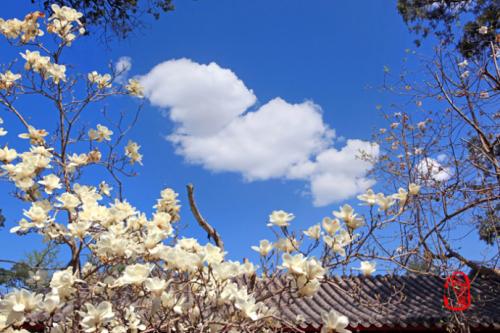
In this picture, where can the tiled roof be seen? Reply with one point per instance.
(392, 302)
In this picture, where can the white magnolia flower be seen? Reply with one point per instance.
(64, 13)
(77, 160)
(132, 152)
(306, 288)
(334, 322)
(102, 133)
(331, 226)
(96, 317)
(384, 203)
(102, 81)
(8, 79)
(280, 218)
(36, 136)
(79, 229)
(135, 274)
(402, 196)
(50, 183)
(463, 64)
(339, 242)
(264, 247)
(16, 304)
(213, 254)
(369, 197)
(295, 264)
(134, 88)
(62, 282)
(68, 201)
(414, 189)
(351, 219)
(465, 75)
(155, 285)
(287, 244)
(367, 267)
(105, 189)
(314, 232)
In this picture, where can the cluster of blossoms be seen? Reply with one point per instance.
(371, 198)
(26, 30)
(130, 272)
(64, 22)
(42, 65)
(8, 79)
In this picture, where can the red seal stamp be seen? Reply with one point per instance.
(457, 292)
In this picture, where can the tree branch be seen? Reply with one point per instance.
(212, 233)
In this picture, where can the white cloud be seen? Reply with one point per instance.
(429, 169)
(202, 98)
(263, 144)
(122, 67)
(341, 174)
(216, 129)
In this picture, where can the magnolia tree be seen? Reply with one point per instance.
(445, 136)
(129, 271)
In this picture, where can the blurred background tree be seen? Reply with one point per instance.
(112, 18)
(453, 22)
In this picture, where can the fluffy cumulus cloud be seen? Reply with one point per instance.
(430, 169)
(202, 99)
(337, 174)
(218, 129)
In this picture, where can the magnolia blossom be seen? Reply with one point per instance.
(62, 282)
(16, 304)
(79, 229)
(135, 274)
(334, 322)
(287, 244)
(155, 285)
(367, 267)
(414, 189)
(369, 197)
(294, 263)
(132, 152)
(8, 79)
(68, 201)
(102, 81)
(352, 220)
(401, 196)
(105, 189)
(330, 226)
(134, 88)
(50, 183)
(102, 133)
(264, 247)
(313, 232)
(96, 316)
(27, 30)
(280, 218)
(385, 202)
(34, 135)
(339, 242)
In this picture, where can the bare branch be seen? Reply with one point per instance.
(212, 233)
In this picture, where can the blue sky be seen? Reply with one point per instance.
(326, 52)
